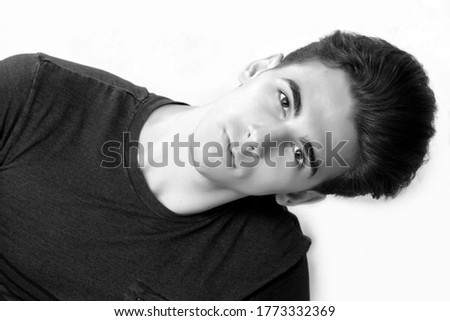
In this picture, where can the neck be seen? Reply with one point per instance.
(175, 182)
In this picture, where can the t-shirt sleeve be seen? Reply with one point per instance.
(17, 75)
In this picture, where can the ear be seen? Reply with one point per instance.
(258, 66)
(303, 197)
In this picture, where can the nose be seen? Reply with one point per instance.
(260, 138)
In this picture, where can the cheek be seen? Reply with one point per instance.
(271, 179)
(280, 158)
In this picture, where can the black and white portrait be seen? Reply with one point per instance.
(201, 150)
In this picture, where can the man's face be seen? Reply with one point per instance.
(295, 105)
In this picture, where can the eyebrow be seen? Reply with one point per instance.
(296, 94)
(309, 150)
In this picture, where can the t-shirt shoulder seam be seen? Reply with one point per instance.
(37, 67)
(44, 58)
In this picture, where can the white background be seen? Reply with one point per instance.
(193, 50)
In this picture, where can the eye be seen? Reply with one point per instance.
(298, 154)
(284, 102)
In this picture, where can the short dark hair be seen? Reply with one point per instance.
(394, 112)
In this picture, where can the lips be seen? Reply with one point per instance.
(229, 150)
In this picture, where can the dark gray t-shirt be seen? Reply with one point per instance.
(71, 229)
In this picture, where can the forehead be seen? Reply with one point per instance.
(327, 106)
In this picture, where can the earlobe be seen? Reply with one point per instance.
(258, 66)
(303, 197)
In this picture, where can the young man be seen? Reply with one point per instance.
(96, 206)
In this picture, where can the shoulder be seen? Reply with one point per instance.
(25, 59)
(23, 69)
(88, 73)
(17, 78)
(18, 70)
(275, 225)
(267, 207)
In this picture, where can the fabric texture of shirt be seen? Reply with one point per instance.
(71, 229)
